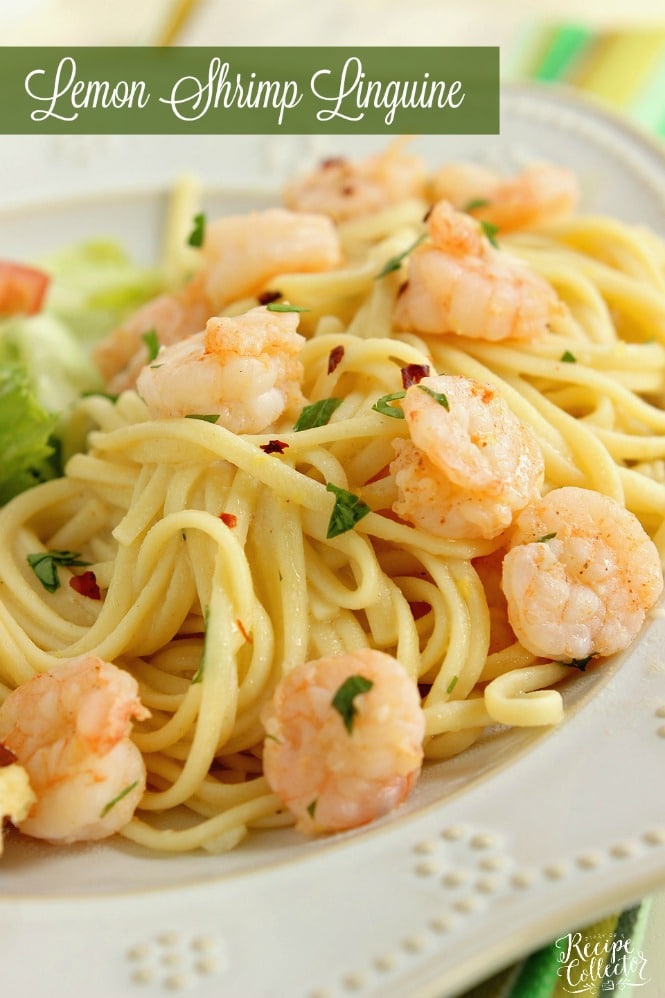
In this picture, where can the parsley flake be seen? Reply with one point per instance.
(546, 537)
(383, 405)
(311, 807)
(45, 566)
(198, 675)
(437, 396)
(210, 417)
(475, 203)
(347, 511)
(395, 262)
(283, 306)
(116, 800)
(342, 701)
(197, 235)
(317, 414)
(490, 231)
(452, 684)
(568, 358)
(151, 343)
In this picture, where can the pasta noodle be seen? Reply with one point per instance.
(213, 552)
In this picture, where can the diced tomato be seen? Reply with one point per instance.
(22, 289)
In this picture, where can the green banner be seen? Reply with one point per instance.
(242, 90)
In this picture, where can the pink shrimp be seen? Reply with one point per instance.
(580, 575)
(469, 464)
(69, 729)
(460, 283)
(541, 193)
(343, 739)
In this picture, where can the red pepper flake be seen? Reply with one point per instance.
(267, 297)
(230, 519)
(86, 585)
(246, 636)
(335, 358)
(332, 161)
(7, 757)
(414, 373)
(274, 447)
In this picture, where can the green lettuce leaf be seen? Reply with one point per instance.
(28, 453)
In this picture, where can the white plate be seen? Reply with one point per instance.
(508, 846)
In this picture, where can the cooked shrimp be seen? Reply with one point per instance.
(240, 254)
(541, 193)
(345, 189)
(459, 283)
(171, 316)
(69, 729)
(580, 575)
(245, 369)
(343, 739)
(469, 464)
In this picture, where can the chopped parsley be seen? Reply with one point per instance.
(346, 694)
(197, 235)
(475, 203)
(283, 306)
(383, 405)
(395, 262)
(198, 675)
(546, 537)
(347, 511)
(317, 414)
(311, 807)
(568, 358)
(210, 417)
(452, 684)
(116, 800)
(437, 396)
(45, 566)
(151, 343)
(490, 231)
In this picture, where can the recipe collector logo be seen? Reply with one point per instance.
(591, 965)
(242, 90)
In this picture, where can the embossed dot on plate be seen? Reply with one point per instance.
(522, 879)
(555, 871)
(426, 847)
(426, 869)
(661, 711)
(385, 963)
(453, 834)
(492, 863)
(176, 982)
(655, 837)
(454, 878)
(589, 861)
(487, 885)
(661, 731)
(441, 923)
(482, 841)
(622, 850)
(354, 982)
(466, 905)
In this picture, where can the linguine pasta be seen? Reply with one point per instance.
(216, 556)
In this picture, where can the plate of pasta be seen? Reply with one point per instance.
(331, 540)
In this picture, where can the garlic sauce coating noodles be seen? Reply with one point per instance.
(340, 460)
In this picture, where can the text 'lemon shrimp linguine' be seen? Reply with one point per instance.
(379, 475)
